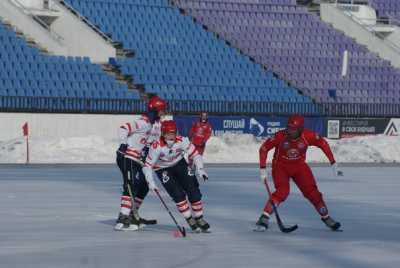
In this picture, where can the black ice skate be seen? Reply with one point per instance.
(202, 224)
(331, 223)
(124, 223)
(193, 225)
(262, 223)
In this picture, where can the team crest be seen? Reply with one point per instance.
(293, 153)
(301, 145)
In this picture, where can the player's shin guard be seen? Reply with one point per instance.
(124, 219)
(197, 208)
(126, 205)
(268, 210)
(184, 209)
(321, 209)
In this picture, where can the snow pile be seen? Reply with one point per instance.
(244, 149)
(90, 149)
(229, 148)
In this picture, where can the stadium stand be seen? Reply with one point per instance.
(386, 8)
(223, 56)
(25, 72)
(297, 45)
(178, 60)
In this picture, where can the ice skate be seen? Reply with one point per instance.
(203, 225)
(262, 223)
(331, 223)
(193, 225)
(124, 224)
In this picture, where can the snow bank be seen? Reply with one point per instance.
(244, 149)
(229, 148)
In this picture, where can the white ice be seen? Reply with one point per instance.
(62, 216)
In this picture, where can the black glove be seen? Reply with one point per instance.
(144, 153)
(123, 147)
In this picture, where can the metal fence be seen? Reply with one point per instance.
(122, 106)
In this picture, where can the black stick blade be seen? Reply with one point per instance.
(288, 229)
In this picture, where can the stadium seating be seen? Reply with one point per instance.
(25, 72)
(177, 59)
(386, 8)
(297, 45)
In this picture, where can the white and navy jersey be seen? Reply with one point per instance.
(155, 133)
(135, 135)
(161, 156)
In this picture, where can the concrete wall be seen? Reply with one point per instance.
(31, 28)
(38, 4)
(80, 39)
(61, 125)
(342, 22)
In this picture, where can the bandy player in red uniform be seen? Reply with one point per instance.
(200, 133)
(289, 162)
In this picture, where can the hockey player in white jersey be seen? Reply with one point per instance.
(135, 140)
(166, 158)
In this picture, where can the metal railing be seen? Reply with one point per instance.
(123, 106)
(371, 24)
(91, 25)
(37, 19)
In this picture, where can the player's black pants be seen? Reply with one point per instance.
(179, 184)
(132, 174)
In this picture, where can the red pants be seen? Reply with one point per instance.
(304, 179)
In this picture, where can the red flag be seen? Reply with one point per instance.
(25, 129)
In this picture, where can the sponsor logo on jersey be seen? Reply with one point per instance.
(285, 145)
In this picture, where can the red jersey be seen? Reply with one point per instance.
(293, 151)
(200, 133)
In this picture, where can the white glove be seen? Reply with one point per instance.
(201, 174)
(263, 175)
(148, 174)
(336, 170)
(152, 185)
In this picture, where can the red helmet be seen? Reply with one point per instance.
(157, 104)
(168, 126)
(203, 117)
(296, 121)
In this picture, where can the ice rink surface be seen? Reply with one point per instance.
(62, 216)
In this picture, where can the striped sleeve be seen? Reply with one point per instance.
(153, 155)
(123, 133)
(189, 148)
